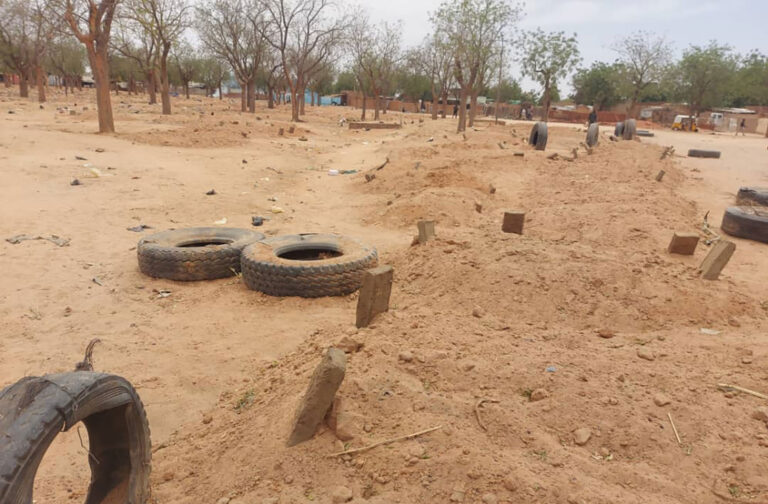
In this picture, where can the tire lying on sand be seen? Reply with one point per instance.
(35, 409)
(704, 153)
(645, 133)
(190, 254)
(618, 130)
(307, 265)
(630, 129)
(752, 196)
(593, 134)
(746, 222)
(538, 136)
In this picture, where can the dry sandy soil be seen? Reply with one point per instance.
(476, 314)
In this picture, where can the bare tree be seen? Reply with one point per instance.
(304, 37)
(91, 22)
(471, 28)
(164, 21)
(227, 33)
(132, 42)
(187, 64)
(66, 57)
(548, 57)
(213, 71)
(644, 58)
(434, 60)
(16, 41)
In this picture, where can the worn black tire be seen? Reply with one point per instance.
(704, 153)
(593, 134)
(618, 130)
(749, 222)
(35, 409)
(264, 271)
(169, 254)
(630, 129)
(645, 133)
(750, 196)
(538, 136)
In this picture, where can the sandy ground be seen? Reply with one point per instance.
(476, 314)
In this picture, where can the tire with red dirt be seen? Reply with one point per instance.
(307, 265)
(35, 409)
(191, 254)
(750, 222)
(752, 196)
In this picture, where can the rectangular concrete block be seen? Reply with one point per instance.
(513, 222)
(426, 231)
(319, 396)
(683, 243)
(716, 260)
(374, 294)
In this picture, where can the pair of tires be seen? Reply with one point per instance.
(35, 409)
(750, 219)
(306, 265)
(626, 129)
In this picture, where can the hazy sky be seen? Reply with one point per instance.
(743, 24)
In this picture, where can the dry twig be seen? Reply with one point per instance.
(674, 429)
(742, 389)
(386, 442)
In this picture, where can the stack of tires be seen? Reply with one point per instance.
(626, 130)
(305, 265)
(750, 218)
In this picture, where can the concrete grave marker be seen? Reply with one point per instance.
(683, 243)
(513, 222)
(716, 260)
(374, 294)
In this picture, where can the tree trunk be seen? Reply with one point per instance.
(434, 104)
(243, 97)
(270, 97)
(7, 80)
(186, 89)
(152, 88)
(100, 67)
(546, 101)
(40, 84)
(165, 85)
(376, 105)
(365, 103)
(251, 88)
(462, 111)
(472, 108)
(311, 98)
(303, 100)
(66, 87)
(221, 96)
(23, 86)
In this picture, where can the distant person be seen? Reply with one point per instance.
(742, 128)
(593, 116)
(456, 110)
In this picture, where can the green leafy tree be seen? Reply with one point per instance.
(547, 58)
(508, 90)
(345, 81)
(598, 85)
(213, 71)
(705, 75)
(751, 83)
(187, 65)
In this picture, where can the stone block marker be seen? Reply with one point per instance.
(716, 260)
(374, 294)
(683, 243)
(426, 230)
(319, 396)
(513, 222)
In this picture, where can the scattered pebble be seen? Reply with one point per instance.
(478, 312)
(490, 498)
(761, 414)
(75, 182)
(211, 192)
(539, 394)
(661, 399)
(405, 356)
(341, 494)
(257, 221)
(582, 436)
(606, 333)
(746, 360)
(646, 353)
(207, 419)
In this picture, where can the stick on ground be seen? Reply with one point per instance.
(386, 442)
(742, 389)
(674, 428)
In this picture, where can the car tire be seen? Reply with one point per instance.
(750, 222)
(704, 153)
(538, 136)
(35, 409)
(193, 254)
(752, 196)
(630, 129)
(593, 134)
(307, 265)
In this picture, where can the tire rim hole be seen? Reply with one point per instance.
(208, 242)
(313, 253)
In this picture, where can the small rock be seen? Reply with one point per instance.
(207, 419)
(539, 394)
(761, 414)
(288, 479)
(99, 150)
(478, 312)
(80, 158)
(746, 360)
(341, 494)
(490, 498)
(211, 192)
(405, 356)
(646, 353)
(582, 436)
(661, 399)
(457, 496)
(302, 139)
(606, 333)
(75, 182)
(223, 500)
(491, 189)
(257, 221)
(510, 483)
(478, 207)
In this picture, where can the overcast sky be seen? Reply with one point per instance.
(743, 24)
